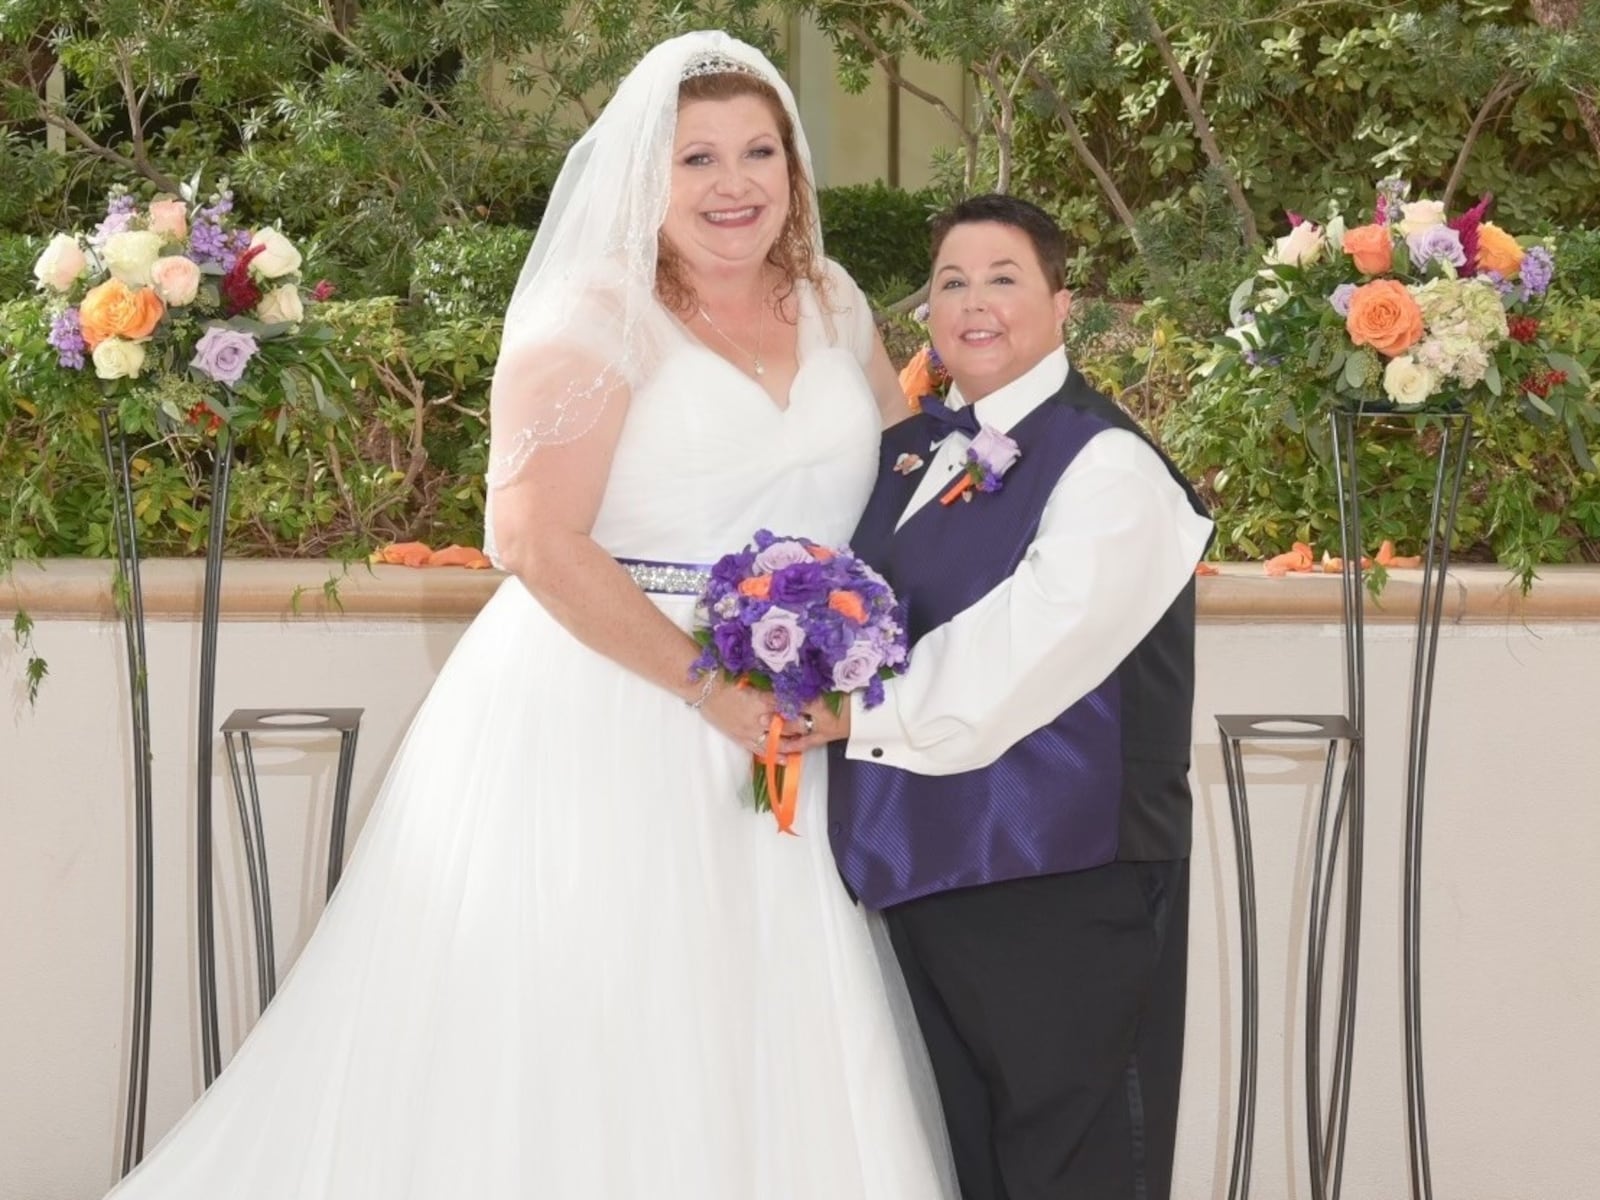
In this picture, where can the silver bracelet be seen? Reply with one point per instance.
(705, 691)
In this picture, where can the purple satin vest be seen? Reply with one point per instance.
(1052, 802)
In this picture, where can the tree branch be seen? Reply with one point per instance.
(1201, 124)
(1063, 112)
(77, 133)
(1503, 88)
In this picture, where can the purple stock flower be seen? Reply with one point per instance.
(66, 338)
(1538, 267)
(1340, 299)
(1438, 243)
(777, 638)
(222, 354)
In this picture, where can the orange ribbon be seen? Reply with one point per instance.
(784, 798)
(956, 490)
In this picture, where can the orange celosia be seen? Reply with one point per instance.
(1370, 248)
(848, 605)
(1384, 316)
(115, 310)
(757, 586)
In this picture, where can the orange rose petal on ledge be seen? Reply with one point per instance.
(1388, 558)
(1297, 560)
(1206, 568)
(404, 554)
(460, 556)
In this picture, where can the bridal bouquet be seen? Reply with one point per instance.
(176, 301)
(1413, 310)
(807, 623)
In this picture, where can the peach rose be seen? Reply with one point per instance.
(1384, 316)
(176, 279)
(115, 310)
(1370, 249)
(1498, 251)
(169, 218)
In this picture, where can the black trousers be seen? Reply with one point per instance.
(1053, 1010)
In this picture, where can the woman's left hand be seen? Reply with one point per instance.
(815, 726)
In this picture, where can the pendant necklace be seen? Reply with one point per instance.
(760, 368)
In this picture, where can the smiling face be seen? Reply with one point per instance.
(730, 185)
(992, 313)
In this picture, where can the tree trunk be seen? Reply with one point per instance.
(1063, 111)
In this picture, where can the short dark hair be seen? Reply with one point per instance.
(1049, 243)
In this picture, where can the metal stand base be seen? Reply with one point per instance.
(237, 730)
(1326, 1137)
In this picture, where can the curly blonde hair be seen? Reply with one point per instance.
(793, 252)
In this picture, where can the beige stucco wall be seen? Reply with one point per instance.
(1512, 955)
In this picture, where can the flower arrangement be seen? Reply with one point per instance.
(990, 456)
(805, 622)
(173, 299)
(924, 374)
(1413, 311)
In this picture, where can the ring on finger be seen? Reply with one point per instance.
(811, 722)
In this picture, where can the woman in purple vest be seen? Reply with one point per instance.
(1019, 806)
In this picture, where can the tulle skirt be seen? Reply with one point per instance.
(567, 960)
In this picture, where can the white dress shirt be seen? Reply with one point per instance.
(1117, 542)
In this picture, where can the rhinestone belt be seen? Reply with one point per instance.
(668, 579)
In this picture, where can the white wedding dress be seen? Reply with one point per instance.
(567, 961)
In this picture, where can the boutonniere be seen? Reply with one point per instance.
(989, 457)
(908, 463)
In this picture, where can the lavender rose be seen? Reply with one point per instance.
(777, 638)
(779, 555)
(994, 450)
(222, 354)
(1436, 243)
(1340, 299)
(858, 667)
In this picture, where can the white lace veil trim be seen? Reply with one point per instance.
(583, 324)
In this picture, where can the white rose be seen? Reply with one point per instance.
(62, 262)
(118, 358)
(281, 306)
(1300, 247)
(1419, 215)
(1407, 382)
(279, 258)
(131, 254)
(176, 279)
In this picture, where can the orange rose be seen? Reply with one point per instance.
(1384, 316)
(758, 587)
(848, 605)
(1370, 248)
(115, 310)
(916, 378)
(1498, 251)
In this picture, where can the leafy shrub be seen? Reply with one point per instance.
(468, 270)
(880, 235)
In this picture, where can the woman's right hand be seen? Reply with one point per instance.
(739, 713)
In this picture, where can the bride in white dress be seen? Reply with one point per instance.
(567, 960)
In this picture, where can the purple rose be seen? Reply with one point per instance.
(1437, 243)
(804, 583)
(777, 638)
(1341, 298)
(222, 354)
(779, 555)
(858, 667)
(993, 450)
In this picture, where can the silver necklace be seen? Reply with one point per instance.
(761, 328)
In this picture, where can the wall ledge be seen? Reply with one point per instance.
(294, 589)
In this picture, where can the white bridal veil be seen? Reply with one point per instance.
(583, 324)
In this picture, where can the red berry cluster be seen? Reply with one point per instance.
(204, 419)
(1523, 329)
(1539, 383)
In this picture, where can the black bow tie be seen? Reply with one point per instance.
(947, 420)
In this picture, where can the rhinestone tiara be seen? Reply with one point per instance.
(716, 63)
